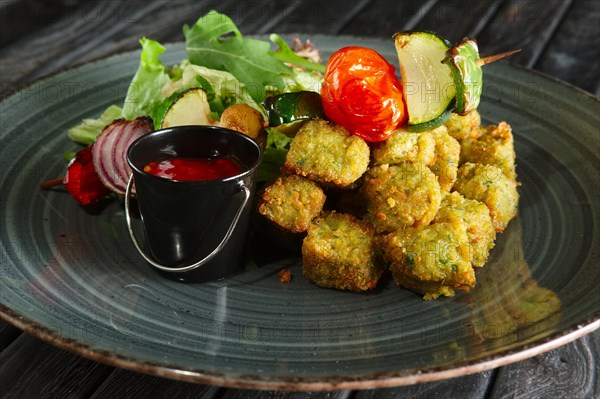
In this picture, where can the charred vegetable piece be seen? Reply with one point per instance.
(245, 119)
(190, 108)
(468, 76)
(287, 108)
(82, 181)
(428, 84)
(362, 93)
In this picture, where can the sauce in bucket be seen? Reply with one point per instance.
(195, 217)
(195, 169)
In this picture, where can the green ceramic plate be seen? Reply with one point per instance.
(73, 278)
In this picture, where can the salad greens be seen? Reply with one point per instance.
(230, 68)
(144, 92)
(275, 152)
(86, 132)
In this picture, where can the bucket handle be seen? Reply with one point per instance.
(201, 261)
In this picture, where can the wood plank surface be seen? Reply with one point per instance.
(574, 53)
(472, 386)
(522, 24)
(131, 385)
(250, 394)
(571, 371)
(31, 369)
(8, 334)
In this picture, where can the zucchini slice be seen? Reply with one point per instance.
(432, 124)
(190, 108)
(428, 83)
(468, 76)
(291, 107)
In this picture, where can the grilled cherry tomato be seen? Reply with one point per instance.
(361, 92)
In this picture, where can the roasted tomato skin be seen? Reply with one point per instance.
(362, 93)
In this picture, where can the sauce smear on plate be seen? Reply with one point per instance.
(194, 169)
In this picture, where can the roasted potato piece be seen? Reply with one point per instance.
(245, 119)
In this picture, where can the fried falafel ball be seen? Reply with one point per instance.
(291, 202)
(430, 260)
(472, 216)
(447, 157)
(488, 184)
(404, 146)
(339, 253)
(327, 154)
(494, 146)
(402, 195)
(463, 127)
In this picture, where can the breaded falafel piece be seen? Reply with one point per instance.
(339, 253)
(291, 202)
(403, 146)
(447, 157)
(494, 146)
(430, 260)
(463, 127)
(488, 184)
(327, 154)
(402, 195)
(472, 216)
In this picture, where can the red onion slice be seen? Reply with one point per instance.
(110, 151)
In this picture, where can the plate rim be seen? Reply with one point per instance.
(332, 383)
(323, 383)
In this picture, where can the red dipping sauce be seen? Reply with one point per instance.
(194, 169)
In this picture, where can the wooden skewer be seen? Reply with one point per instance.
(493, 58)
(52, 183)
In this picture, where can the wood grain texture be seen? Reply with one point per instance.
(525, 24)
(571, 371)
(574, 53)
(398, 16)
(8, 334)
(473, 386)
(455, 19)
(131, 385)
(315, 16)
(248, 394)
(18, 16)
(32, 369)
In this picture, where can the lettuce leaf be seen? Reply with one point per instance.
(144, 92)
(276, 149)
(86, 132)
(215, 42)
(222, 88)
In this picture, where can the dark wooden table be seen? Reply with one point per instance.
(558, 37)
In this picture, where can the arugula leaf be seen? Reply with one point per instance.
(144, 92)
(286, 54)
(275, 151)
(87, 131)
(215, 42)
